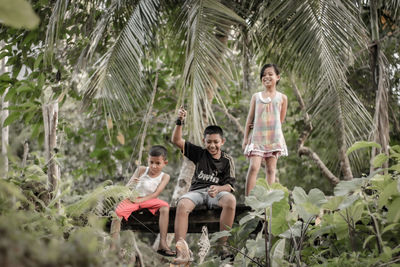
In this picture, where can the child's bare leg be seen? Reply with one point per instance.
(228, 205)
(115, 233)
(163, 225)
(270, 169)
(185, 206)
(255, 163)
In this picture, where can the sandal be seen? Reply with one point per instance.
(166, 252)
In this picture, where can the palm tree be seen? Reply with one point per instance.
(315, 41)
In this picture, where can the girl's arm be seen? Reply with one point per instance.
(249, 121)
(155, 194)
(284, 107)
(135, 177)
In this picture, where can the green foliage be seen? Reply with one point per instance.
(18, 14)
(100, 201)
(359, 225)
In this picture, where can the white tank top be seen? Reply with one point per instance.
(147, 184)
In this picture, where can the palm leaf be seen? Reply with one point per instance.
(102, 200)
(53, 29)
(315, 39)
(119, 79)
(206, 65)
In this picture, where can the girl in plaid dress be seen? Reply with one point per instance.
(266, 115)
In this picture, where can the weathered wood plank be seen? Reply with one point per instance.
(144, 221)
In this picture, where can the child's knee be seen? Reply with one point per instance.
(254, 167)
(164, 209)
(270, 171)
(229, 201)
(183, 207)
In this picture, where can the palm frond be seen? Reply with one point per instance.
(53, 29)
(341, 103)
(393, 6)
(102, 200)
(315, 39)
(317, 35)
(206, 66)
(118, 79)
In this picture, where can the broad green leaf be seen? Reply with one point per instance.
(398, 185)
(333, 203)
(38, 60)
(356, 211)
(262, 182)
(389, 191)
(299, 195)
(317, 197)
(367, 240)
(307, 210)
(260, 198)
(345, 187)
(348, 201)
(5, 77)
(395, 168)
(246, 218)
(362, 144)
(11, 118)
(278, 251)
(293, 231)
(341, 228)
(390, 227)
(396, 148)
(218, 235)
(280, 211)
(379, 160)
(18, 14)
(393, 214)
(256, 248)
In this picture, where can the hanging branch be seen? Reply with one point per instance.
(231, 118)
(303, 150)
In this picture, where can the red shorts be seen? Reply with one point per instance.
(126, 207)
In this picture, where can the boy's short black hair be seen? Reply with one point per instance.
(213, 129)
(158, 150)
(276, 69)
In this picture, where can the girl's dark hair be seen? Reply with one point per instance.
(157, 150)
(213, 129)
(276, 69)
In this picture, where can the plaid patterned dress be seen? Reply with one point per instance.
(267, 136)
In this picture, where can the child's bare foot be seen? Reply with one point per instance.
(183, 253)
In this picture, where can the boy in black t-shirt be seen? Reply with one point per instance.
(212, 182)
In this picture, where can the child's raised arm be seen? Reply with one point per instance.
(249, 121)
(177, 133)
(160, 188)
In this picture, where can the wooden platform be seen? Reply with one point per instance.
(144, 221)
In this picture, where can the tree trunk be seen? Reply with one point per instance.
(4, 136)
(303, 150)
(50, 121)
(381, 118)
(245, 60)
(4, 130)
(343, 158)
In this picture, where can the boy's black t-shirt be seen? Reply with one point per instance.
(209, 171)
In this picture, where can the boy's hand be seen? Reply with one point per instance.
(213, 190)
(181, 113)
